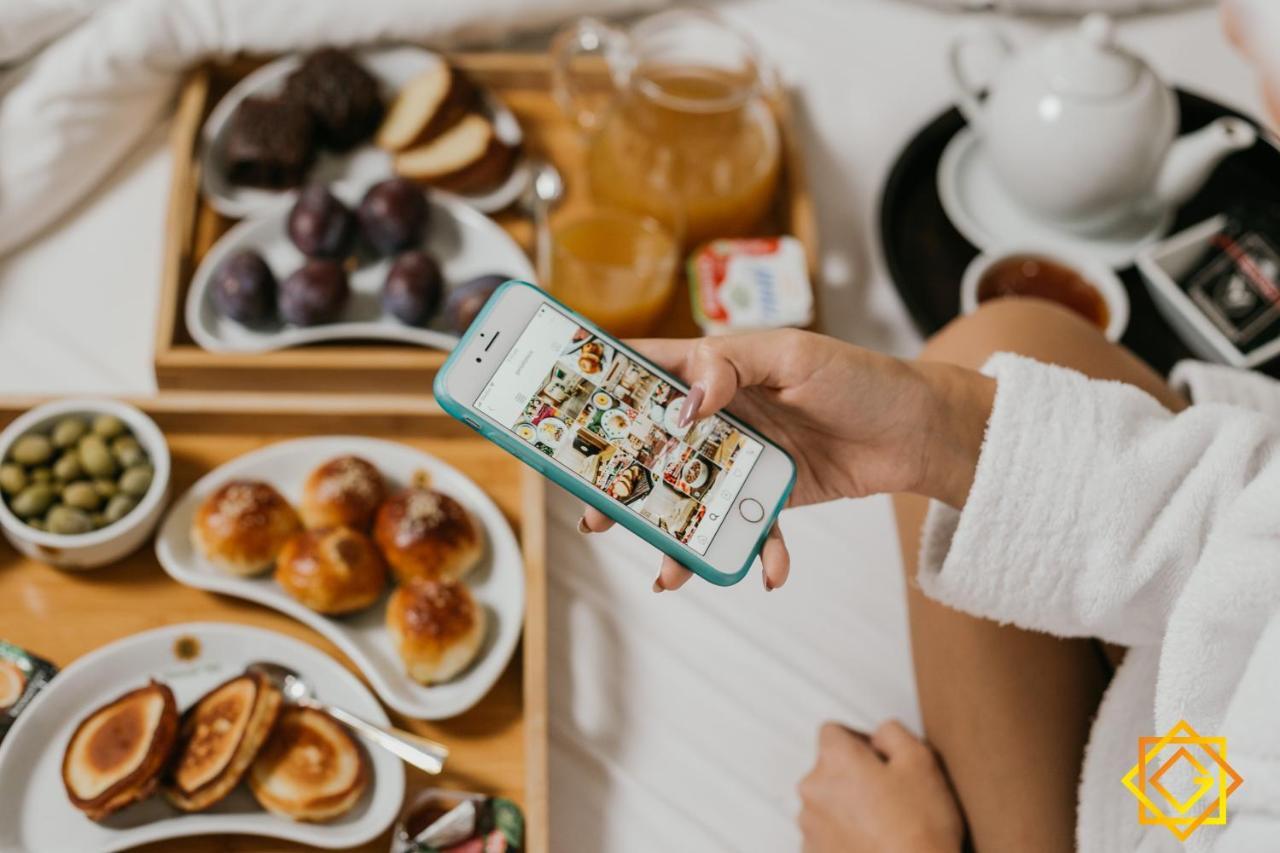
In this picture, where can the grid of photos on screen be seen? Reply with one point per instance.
(615, 423)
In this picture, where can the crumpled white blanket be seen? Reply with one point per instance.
(81, 81)
(1095, 512)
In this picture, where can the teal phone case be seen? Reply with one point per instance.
(579, 488)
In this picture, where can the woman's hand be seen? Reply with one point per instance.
(856, 422)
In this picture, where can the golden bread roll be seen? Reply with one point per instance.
(426, 534)
(242, 526)
(436, 627)
(311, 768)
(332, 570)
(346, 490)
(116, 755)
(221, 734)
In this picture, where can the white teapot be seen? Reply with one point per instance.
(1082, 133)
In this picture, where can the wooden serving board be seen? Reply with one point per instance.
(498, 747)
(522, 80)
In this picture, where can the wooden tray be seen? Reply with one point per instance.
(498, 747)
(523, 82)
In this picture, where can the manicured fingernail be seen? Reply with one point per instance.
(657, 584)
(692, 401)
(768, 587)
(582, 526)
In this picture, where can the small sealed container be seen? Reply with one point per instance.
(22, 676)
(754, 283)
(440, 820)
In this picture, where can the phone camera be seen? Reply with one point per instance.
(477, 359)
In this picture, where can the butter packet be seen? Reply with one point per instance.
(446, 821)
(22, 676)
(753, 283)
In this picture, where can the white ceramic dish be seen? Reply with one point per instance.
(107, 544)
(497, 583)
(365, 164)
(1161, 267)
(1106, 282)
(987, 217)
(35, 814)
(464, 242)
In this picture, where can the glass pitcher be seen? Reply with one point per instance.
(685, 135)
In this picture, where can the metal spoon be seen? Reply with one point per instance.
(545, 189)
(426, 755)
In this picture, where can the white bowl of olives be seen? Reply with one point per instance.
(82, 482)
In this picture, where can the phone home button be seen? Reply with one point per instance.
(750, 509)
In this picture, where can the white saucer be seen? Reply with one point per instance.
(984, 213)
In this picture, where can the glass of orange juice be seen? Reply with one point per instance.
(616, 267)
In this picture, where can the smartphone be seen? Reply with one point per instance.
(598, 419)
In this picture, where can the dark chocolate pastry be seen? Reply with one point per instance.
(342, 96)
(270, 143)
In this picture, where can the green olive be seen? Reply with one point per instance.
(105, 487)
(95, 458)
(40, 475)
(68, 431)
(128, 452)
(32, 449)
(118, 507)
(98, 519)
(13, 478)
(36, 523)
(67, 468)
(81, 495)
(136, 480)
(68, 520)
(108, 426)
(32, 501)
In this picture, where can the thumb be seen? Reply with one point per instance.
(716, 368)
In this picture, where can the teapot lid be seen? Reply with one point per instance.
(1087, 63)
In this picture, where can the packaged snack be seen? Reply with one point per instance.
(22, 676)
(755, 283)
(444, 821)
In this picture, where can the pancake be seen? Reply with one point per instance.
(220, 736)
(311, 769)
(117, 753)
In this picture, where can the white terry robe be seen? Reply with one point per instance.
(1095, 512)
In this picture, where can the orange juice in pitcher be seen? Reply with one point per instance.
(687, 136)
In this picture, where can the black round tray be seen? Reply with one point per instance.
(927, 256)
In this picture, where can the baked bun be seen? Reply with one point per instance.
(220, 737)
(426, 534)
(333, 570)
(436, 627)
(346, 490)
(310, 769)
(117, 753)
(242, 526)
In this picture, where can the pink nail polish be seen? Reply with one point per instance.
(692, 402)
(582, 526)
(657, 584)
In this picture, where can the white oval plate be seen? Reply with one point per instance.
(497, 583)
(35, 813)
(464, 242)
(365, 164)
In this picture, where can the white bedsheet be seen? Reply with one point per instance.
(678, 721)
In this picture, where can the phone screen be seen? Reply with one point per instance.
(610, 420)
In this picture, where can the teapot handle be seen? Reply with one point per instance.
(582, 102)
(968, 95)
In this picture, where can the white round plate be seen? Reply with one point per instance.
(464, 242)
(983, 212)
(497, 583)
(365, 164)
(35, 814)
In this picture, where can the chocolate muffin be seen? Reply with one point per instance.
(341, 95)
(270, 144)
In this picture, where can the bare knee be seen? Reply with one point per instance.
(1046, 332)
(1032, 327)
